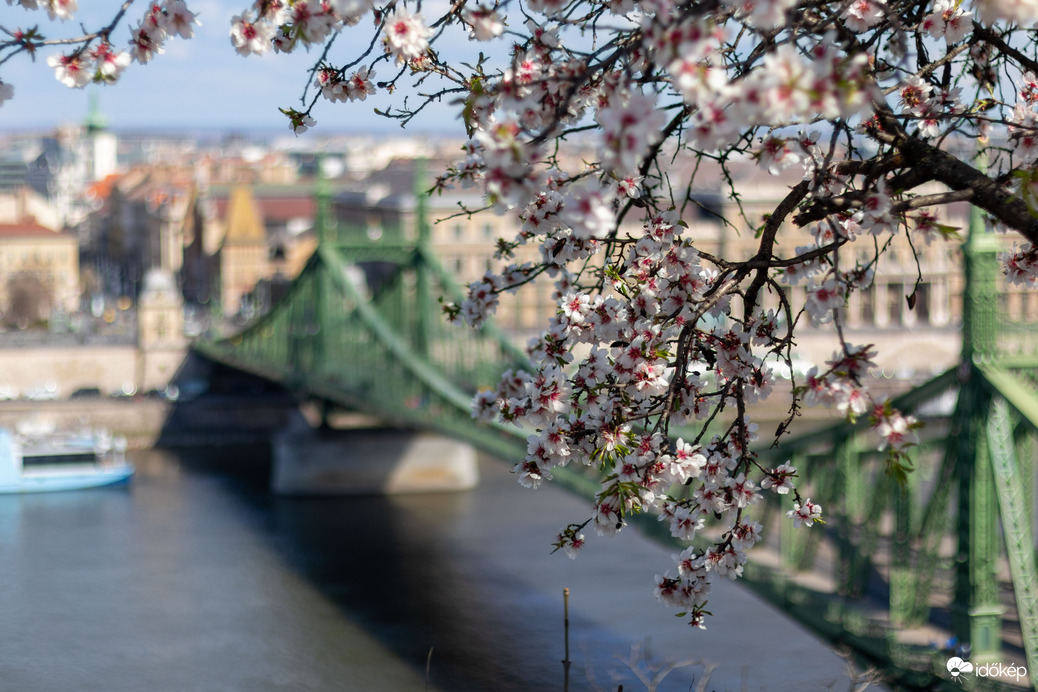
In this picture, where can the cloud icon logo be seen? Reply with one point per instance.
(956, 666)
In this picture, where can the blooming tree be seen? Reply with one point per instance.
(878, 112)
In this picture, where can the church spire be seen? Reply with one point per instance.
(95, 122)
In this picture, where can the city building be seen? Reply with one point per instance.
(230, 225)
(381, 207)
(243, 258)
(39, 273)
(25, 203)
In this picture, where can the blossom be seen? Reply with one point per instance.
(1021, 265)
(746, 535)
(179, 21)
(776, 154)
(405, 35)
(332, 86)
(60, 9)
(947, 21)
(779, 479)
(742, 490)
(628, 129)
(359, 85)
(896, 431)
(249, 37)
(71, 70)
(109, 63)
(349, 11)
(823, 299)
(1024, 12)
(530, 475)
(851, 400)
(485, 22)
(145, 42)
(764, 14)
(864, 14)
(309, 21)
(570, 542)
(588, 211)
(805, 514)
(915, 95)
(687, 462)
(298, 122)
(57, 9)
(548, 7)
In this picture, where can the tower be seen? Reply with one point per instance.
(101, 145)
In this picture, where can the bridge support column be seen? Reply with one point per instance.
(850, 487)
(902, 578)
(977, 610)
(369, 461)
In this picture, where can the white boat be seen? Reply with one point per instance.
(33, 462)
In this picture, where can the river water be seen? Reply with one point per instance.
(195, 578)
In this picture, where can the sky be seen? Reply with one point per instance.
(199, 83)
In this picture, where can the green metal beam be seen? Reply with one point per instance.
(977, 610)
(1016, 526)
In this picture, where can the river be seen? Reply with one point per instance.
(195, 578)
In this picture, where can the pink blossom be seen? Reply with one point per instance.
(780, 479)
(864, 14)
(628, 129)
(250, 37)
(109, 63)
(405, 35)
(179, 21)
(485, 22)
(71, 70)
(806, 514)
(145, 42)
(895, 430)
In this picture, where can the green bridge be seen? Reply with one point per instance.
(948, 554)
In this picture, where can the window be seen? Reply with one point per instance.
(922, 304)
(895, 303)
(867, 296)
(459, 231)
(488, 230)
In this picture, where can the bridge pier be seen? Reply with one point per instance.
(368, 461)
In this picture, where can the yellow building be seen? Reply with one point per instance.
(244, 255)
(382, 206)
(39, 273)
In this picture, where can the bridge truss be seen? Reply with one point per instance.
(361, 327)
(949, 553)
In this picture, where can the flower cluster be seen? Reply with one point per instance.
(1021, 266)
(334, 87)
(56, 9)
(100, 62)
(163, 21)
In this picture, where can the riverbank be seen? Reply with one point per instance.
(148, 422)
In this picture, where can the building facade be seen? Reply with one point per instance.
(39, 273)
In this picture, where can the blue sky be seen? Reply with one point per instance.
(197, 83)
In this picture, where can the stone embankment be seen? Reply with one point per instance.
(148, 422)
